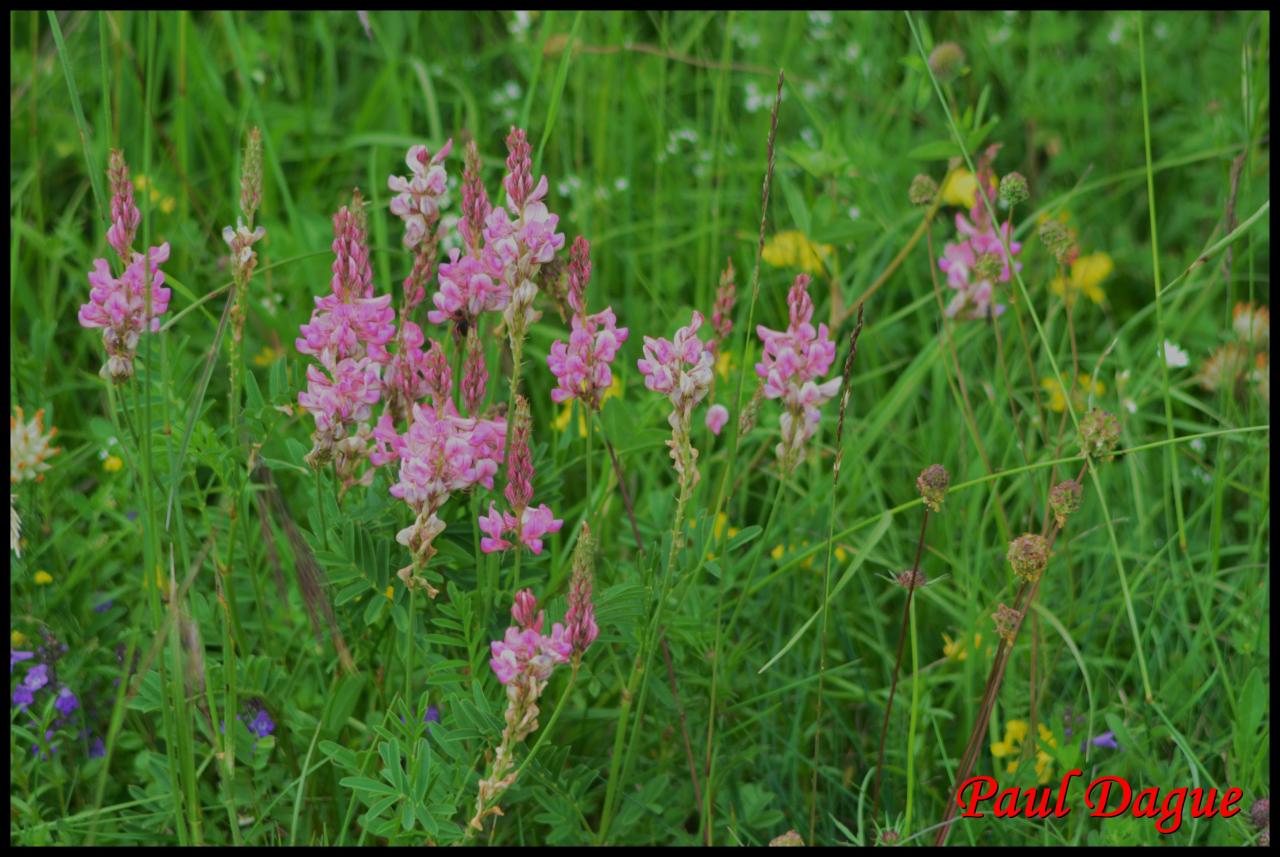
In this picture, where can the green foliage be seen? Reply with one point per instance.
(177, 575)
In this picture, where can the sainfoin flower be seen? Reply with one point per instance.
(717, 416)
(525, 524)
(125, 307)
(582, 366)
(680, 369)
(792, 363)
(521, 237)
(418, 197)
(348, 334)
(523, 661)
(441, 453)
(962, 260)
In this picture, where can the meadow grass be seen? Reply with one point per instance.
(183, 569)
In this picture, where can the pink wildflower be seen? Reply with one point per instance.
(419, 197)
(521, 237)
(527, 524)
(792, 363)
(523, 661)
(681, 369)
(717, 416)
(440, 454)
(347, 334)
(978, 237)
(581, 367)
(468, 287)
(118, 305)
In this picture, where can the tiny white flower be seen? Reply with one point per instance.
(1174, 357)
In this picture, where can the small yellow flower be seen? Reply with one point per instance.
(113, 464)
(1085, 387)
(841, 554)
(792, 249)
(777, 552)
(168, 204)
(561, 423)
(390, 593)
(17, 639)
(140, 181)
(43, 578)
(266, 356)
(1015, 733)
(724, 363)
(1087, 274)
(960, 189)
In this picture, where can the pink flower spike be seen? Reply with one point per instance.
(525, 611)
(419, 196)
(124, 213)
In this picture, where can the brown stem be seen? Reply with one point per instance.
(897, 664)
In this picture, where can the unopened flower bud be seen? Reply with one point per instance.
(1064, 500)
(1099, 434)
(1028, 554)
(1013, 189)
(251, 175)
(923, 190)
(932, 484)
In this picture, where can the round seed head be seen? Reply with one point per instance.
(1057, 240)
(1028, 554)
(946, 62)
(932, 484)
(1099, 434)
(1260, 812)
(1006, 620)
(1064, 500)
(1013, 189)
(923, 190)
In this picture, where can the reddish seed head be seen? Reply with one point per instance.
(1099, 434)
(1064, 500)
(1028, 554)
(1006, 621)
(932, 484)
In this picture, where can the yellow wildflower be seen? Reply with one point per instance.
(792, 249)
(960, 189)
(958, 650)
(266, 356)
(841, 553)
(1087, 274)
(1085, 387)
(777, 552)
(724, 363)
(43, 578)
(719, 531)
(1015, 732)
(17, 639)
(113, 464)
(390, 593)
(168, 204)
(561, 423)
